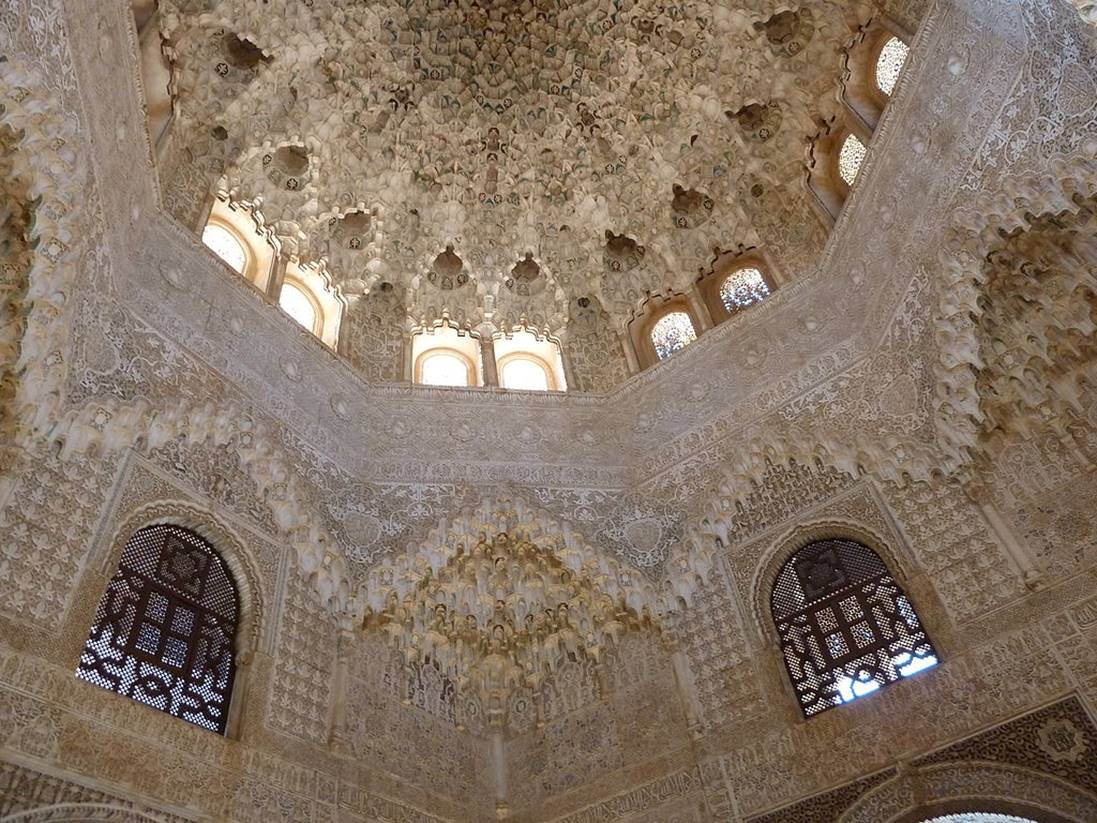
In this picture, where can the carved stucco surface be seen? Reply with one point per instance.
(146, 375)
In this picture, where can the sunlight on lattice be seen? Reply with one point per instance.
(672, 333)
(893, 56)
(850, 158)
(743, 288)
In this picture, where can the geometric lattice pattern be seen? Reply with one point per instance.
(846, 626)
(743, 288)
(893, 56)
(850, 158)
(672, 333)
(165, 629)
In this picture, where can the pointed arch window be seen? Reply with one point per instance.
(165, 630)
(846, 627)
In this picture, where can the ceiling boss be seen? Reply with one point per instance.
(505, 614)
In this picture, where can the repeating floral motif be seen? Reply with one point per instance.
(47, 533)
(130, 345)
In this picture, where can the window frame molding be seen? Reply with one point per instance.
(319, 318)
(434, 351)
(651, 311)
(238, 559)
(245, 222)
(510, 357)
(926, 604)
(726, 266)
(828, 189)
(557, 373)
(859, 93)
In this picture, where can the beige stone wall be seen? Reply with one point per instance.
(874, 398)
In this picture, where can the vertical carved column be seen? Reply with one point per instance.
(630, 353)
(565, 360)
(686, 689)
(338, 736)
(277, 277)
(487, 356)
(499, 773)
(978, 493)
(700, 311)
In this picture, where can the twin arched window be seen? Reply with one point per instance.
(165, 630)
(845, 625)
(443, 355)
(237, 236)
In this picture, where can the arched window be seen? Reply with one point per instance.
(524, 373)
(846, 627)
(850, 157)
(978, 817)
(226, 245)
(528, 361)
(447, 355)
(890, 62)
(671, 333)
(297, 303)
(743, 287)
(444, 368)
(165, 630)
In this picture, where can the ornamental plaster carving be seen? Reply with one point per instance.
(232, 549)
(398, 577)
(963, 307)
(134, 345)
(1087, 10)
(44, 179)
(449, 142)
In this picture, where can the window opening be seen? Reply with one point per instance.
(850, 158)
(672, 333)
(165, 629)
(743, 288)
(893, 56)
(444, 369)
(523, 373)
(225, 245)
(846, 627)
(298, 305)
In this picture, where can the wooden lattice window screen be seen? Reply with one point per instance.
(165, 629)
(846, 626)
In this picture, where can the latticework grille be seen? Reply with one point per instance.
(846, 626)
(165, 629)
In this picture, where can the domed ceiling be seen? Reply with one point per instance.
(546, 151)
